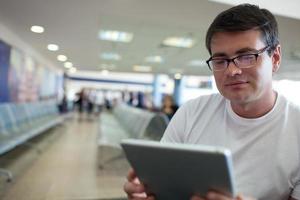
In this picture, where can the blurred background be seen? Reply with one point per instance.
(91, 73)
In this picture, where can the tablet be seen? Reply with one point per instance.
(177, 171)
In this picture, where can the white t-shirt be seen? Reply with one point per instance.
(265, 150)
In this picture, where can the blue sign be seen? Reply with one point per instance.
(4, 70)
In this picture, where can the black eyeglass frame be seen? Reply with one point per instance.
(238, 56)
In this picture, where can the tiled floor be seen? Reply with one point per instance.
(67, 168)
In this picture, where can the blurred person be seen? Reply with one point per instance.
(91, 98)
(140, 100)
(63, 105)
(168, 106)
(131, 100)
(259, 125)
(81, 102)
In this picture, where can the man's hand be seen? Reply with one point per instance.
(134, 189)
(219, 196)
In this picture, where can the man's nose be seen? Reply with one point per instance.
(232, 69)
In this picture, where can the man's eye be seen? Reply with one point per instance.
(219, 62)
(246, 57)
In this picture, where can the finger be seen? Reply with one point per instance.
(131, 175)
(131, 188)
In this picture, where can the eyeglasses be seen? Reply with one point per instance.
(241, 61)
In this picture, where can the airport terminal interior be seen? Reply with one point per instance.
(77, 77)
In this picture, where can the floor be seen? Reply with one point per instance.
(63, 164)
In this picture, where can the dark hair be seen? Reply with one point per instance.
(242, 18)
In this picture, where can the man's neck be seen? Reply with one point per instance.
(257, 108)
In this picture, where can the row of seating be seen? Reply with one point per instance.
(127, 122)
(23, 121)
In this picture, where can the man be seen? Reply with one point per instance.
(256, 123)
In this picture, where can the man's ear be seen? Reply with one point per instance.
(276, 58)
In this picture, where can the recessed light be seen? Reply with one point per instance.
(62, 58)
(177, 76)
(110, 56)
(182, 42)
(115, 36)
(68, 65)
(104, 72)
(37, 29)
(53, 47)
(72, 70)
(154, 59)
(141, 68)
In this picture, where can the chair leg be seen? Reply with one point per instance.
(7, 174)
(101, 157)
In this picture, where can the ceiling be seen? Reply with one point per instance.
(74, 26)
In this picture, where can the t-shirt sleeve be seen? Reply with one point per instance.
(176, 128)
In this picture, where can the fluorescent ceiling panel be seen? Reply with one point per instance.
(140, 68)
(197, 63)
(115, 36)
(154, 59)
(181, 42)
(110, 56)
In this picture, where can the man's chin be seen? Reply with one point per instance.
(237, 98)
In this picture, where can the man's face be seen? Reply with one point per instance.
(245, 85)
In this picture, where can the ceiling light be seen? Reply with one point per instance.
(37, 29)
(177, 76)
(197, 63)
(181, 42)
(52, 47)
(110, 56)
(140, 68)
(104, 72)
(72, 70)
(62, 58)
(154, 59)
(115, 36)
(68, 65)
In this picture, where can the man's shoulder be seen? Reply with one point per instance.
(204, 101)
(215, 97)
(291, 103)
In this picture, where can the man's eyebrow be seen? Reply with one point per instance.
(245, 50)
(240, 51)
(219, 55)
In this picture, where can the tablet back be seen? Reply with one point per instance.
(177, 171)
